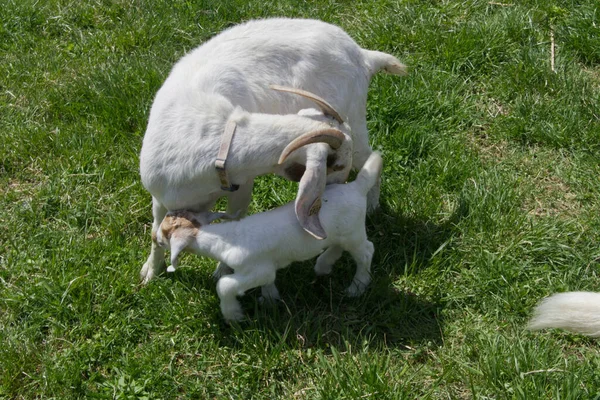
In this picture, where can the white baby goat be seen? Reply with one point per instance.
(257, 246)
(574, 311)
(236, 69)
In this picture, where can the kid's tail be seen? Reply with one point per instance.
(369, 173)
(377, 61)
(574, 311)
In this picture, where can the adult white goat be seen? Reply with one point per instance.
(257, 246)
(228, 79)
(574, 311)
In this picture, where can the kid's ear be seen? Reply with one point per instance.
(177, 246)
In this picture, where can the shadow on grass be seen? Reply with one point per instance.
(405, 245)
(314, 312)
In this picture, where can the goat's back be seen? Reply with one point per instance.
(236, 68)
(247, 58)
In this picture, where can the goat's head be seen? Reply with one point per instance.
(179, 228)
(339, 161)
(321, 167)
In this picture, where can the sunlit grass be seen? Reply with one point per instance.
(490, 201)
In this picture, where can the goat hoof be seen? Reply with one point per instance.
(321, 270)
(222, 270)
(372, 201)
(145, 273)
(269, 293)
(355, 290)
(148, 272)
(234, 316)
(373, 207)
(269, 299)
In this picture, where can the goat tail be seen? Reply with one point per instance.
(574, 311)
(377, 61)
(370, 172)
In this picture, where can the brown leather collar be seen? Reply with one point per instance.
(221, 161)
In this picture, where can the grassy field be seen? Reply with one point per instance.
(490, 201)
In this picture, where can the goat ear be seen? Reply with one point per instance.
(308, 200)
(177, 246)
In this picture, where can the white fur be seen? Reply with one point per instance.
(574, 311)
(257, 246)
(228, 77)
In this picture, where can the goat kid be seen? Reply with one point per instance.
(229, 78)
(257, 246)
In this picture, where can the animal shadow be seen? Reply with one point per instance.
(315, 312)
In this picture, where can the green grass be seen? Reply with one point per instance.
(490, 201)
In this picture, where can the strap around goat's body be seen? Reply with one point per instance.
(221, 161)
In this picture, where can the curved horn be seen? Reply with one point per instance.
(333, 137)
(325, 106)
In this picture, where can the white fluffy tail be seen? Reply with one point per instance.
(574, 311)
(369, 173)
(377, 61)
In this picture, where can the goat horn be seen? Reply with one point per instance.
(332, 137)
(325, 106)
